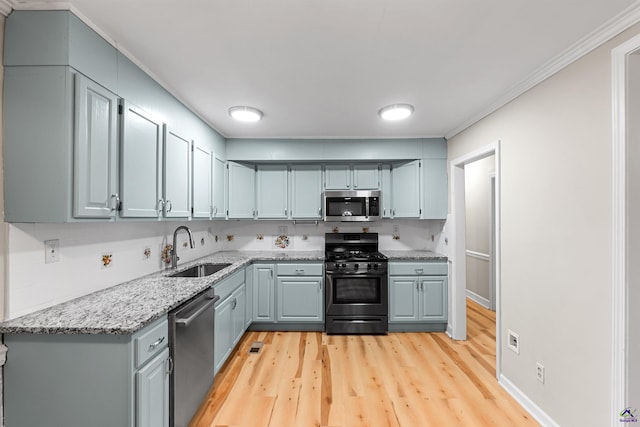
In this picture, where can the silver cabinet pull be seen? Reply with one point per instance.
(169, 368)
(170, 206)
(234, 304)
(160, 206)
(299, 271)
(116, 201)
(156, 344)
(419, 270)
(285, 212)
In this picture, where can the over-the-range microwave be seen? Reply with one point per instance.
(351, 205)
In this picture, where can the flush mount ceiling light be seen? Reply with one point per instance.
(245, 114)
(396, 112)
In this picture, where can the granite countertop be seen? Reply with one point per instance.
(414, 255)
(128, 307)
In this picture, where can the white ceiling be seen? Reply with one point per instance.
(323, 68)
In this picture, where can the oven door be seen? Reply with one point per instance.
(356, 294)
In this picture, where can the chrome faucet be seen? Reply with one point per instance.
(174, 249)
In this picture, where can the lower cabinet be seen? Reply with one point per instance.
(230, 317)
(288, 296)
(87, 379)
(418, 297)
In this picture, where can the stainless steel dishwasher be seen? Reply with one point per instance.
(191, 346)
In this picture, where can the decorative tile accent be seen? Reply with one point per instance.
(282, 241)
(336, 229)
(106, 259)
(260, 237)
(365, 229)
(229, 237)
(166, 254)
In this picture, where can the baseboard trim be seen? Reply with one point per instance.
(529, 405)
(479, 299)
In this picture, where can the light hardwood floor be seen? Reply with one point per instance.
(401, 379)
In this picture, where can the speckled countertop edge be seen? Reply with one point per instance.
(128, 307)
(422, 255)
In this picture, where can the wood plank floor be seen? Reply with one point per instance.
(401, 379)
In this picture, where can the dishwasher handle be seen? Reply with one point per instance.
(186, 321)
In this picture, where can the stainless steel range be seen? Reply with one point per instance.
(356, 286)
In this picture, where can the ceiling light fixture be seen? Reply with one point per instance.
(396, 112)
(245, 114)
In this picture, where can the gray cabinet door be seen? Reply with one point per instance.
(386, 191)
(433, 297)
(202, 182)
(152, 393)
(219, 188)
(248, 284)
(272, 191)
(95, 194)
(337, 177)
(141, 164)
(435, 189)
(242, 190)
(238, 304)
(366, 177)
(176, 173)
(306, 191)
(405, 190)
(403, 299)
(263, 293)
(223, 328)
(300, 299)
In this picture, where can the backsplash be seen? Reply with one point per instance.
(95, 256)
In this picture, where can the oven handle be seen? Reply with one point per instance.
(355, 273)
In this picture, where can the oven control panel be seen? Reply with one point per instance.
(357, 267)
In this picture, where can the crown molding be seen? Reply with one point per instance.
(6, 6)
(595, 39)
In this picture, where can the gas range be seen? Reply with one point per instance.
(371, 262)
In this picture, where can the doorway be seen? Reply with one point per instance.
(457, 327)
(626, 228)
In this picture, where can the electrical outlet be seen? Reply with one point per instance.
(396, 229)
(51, 251)
(514, 342)
(540, 372)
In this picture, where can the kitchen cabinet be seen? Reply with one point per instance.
(74, 174)
(306, 191)
(95, 150)
(346, 177)
(300, 292)
(272, 191)
(242, 190)
(248, 286)
(229, 323)
(435, 191)
(264, 293)
(385, 187)
(219, 187)
(202, 182)
(418, 296)
(141, 160)
(176, 175)
(405, 190)
(98, 380)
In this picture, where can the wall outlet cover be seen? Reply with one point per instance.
(51, 251)
(513, 342)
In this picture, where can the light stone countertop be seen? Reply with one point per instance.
(128, 307)
(421, 255)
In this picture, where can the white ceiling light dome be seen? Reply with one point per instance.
(396, 112)
(243, 113)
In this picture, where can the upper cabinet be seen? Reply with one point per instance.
(219, 195)
(202, 182)
(272, 192)
(405, 190)
(435, 192)
(141, 159)
(242, 190)
(306, 192)
(348, 177)
(177, 175)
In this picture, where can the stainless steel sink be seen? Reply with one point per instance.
(200, 270)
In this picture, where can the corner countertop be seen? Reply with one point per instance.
(414, 255)
(128, 307)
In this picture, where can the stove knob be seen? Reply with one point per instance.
(344, 266)
(375, 266)
(355, 266)
(369, 266)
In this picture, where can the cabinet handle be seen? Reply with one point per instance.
(170, 206)
(319, 211)
(299, 271)
(271, 272)
(419, 270)
(160, 206)
(393, 212)
(169, 369)
(210, 210)
(156, 344)
(285, 212)
(417, 285)
(234, 304)
(421, 286)
(116, 204)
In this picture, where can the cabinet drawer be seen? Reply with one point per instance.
(418, 268)
(228, 285)
(299, 269)
(152, 340)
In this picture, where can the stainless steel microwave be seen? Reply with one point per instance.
(351, 205)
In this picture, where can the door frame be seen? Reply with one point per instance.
(619, 279)
(457, 325)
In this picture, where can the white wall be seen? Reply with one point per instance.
(556, 236)
(478, 228)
